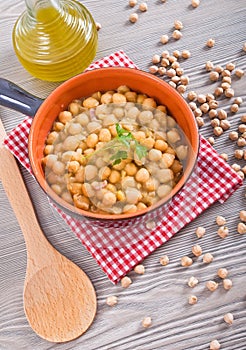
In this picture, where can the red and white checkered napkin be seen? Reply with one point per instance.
(117, 251)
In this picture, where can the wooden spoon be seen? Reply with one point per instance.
(59, 299)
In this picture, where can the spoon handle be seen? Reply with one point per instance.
(18, 196)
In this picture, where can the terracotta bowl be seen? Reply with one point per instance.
(102, 80)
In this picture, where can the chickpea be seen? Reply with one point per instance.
(142, 175)
(139, 269)
(92, 140)
(186, 261)
(109, 199)
(192, 299)
(227, 284)
(212, 285)
(111, 300)
(160, 145)
(164, 260)
(114, 177)
(154, 155)
(81, 202)
(164, 190)
(132, 195)
(200, 231)
(104, 135)
(192, 282)
(147, 321)
(197, 250)
(65, 116)
(214, 345)
(208, 258)
(131, 169)
(90, 172)
(90, 102)
(222, 273)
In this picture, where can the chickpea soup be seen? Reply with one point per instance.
(114, 152)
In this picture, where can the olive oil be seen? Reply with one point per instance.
(55, 40)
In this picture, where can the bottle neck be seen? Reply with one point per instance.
(34, 6)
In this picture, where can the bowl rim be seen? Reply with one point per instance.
(80, 213)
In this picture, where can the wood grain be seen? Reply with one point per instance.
(161, 292)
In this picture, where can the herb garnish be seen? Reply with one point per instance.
(127, 139)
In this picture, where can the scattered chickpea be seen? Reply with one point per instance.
(212, 285)
(218, 91)
(238, 154)
(200, 231)
(139, 269)
(197, 250)
(222, 114)
(177, 34)
(214, 345)
(227, 284)
(224, 156)
(186, 261)
(242, 128)
(233, 135)
(98, 26)
(133, 17)
(178, 24)
(111, 300)
(156, 59)
(222, 272)
(132, 3)
(241, 228)
(211, 140)
(214, 76)
(147, 321)
(229, 318)
(153, 69)
(242, 215)
(212, 113)
(192, 96)
(223, 231)
(209, 66)
(210, 42)
(126, 281)
(239, 73)
(208, 258)
(186, 54)
(241, 141)
(220, 220)
(195, 3)
(193, 281)
(143, 7)
(225, 124)
(238, 100)
(218, 131)
(164, 39)
(192, 299)
(164, 260)
(244, 47)
(234, 108)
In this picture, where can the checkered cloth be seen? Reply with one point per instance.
(117, 251)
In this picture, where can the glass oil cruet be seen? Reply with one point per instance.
(55, 39)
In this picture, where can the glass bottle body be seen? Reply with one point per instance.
(55, 40)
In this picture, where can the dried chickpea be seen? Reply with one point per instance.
(234, 108)
(112, 300)
(195, 3)
(214, 76)
(186, 54)
(125, 282)
(147, 321)
(212, 285)
(228, 318)
(197, 250)
(192, 299)
(220, 220)
(227, 284)
(239, 73)
(214, 345)
(186, 261)
(193, 281)
(223, 231)
(210, 42)
(241, 228)
(156, 59)
(139, 269)
(164, 260)
(177, 34)
(133, 17)
(143, 7)
(208, 258)
(164, 39)
(200, 231)
(209, 66)
(132, 3)
(218, 131)
(222, 273)
(242, 215)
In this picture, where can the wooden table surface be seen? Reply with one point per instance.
(162, 292)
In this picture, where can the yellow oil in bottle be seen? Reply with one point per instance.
(54, 43)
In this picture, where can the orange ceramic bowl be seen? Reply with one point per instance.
(102, 80)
